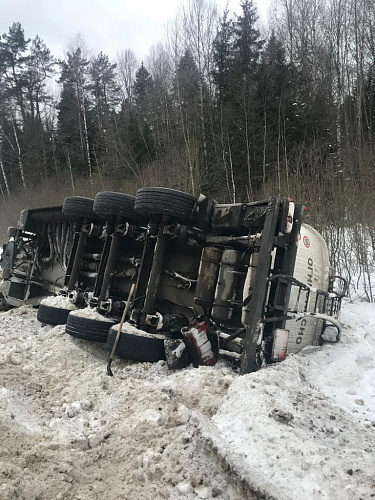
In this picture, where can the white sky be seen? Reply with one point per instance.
(105, 25)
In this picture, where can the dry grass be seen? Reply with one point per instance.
(339, 200)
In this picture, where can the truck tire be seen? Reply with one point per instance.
(50, 315)
(79, 206)
(87, 328)
(137, 347)
(164, 201)
(109, 203)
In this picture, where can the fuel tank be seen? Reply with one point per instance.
(312, 268)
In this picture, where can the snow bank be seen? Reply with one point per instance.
(82, 434)
(305, 428)
(345, 372)
(302, 429)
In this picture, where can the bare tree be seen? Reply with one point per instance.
(19, 154)
(200, 21)
(160, 65)
(127, 65)
(176, 48)
(1, 162)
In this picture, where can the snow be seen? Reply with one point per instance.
(90, 313)
(301, 429)
(59, 301)
(345, 372)
(131, 329)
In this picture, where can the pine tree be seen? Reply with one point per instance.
(40, 65)
(245, 131)
(273, 94)
(73, 112)
(247, 45)
(103, 86)
(142, 87)
(223, 56)
(141, 118)
(105, 96)
(186, 90)
(13, 57)
(188, 80)
(13, 61)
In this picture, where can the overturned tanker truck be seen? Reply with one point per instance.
(246, 281)
(38, 260)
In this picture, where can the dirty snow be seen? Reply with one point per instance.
(302, 429)
(129, 328)
(90, 313)
(59, 301)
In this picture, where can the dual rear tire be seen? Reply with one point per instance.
(84, 328)
(111, 203)
(50, 315)
(153, 202)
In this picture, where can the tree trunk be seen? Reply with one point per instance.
(69, 167)
(2, 164)
(20, 164)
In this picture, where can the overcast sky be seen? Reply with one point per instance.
(105, 25)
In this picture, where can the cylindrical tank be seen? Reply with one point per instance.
(207, 276)
(312, 268)
(226, 287)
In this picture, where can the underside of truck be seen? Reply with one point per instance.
(199, 279)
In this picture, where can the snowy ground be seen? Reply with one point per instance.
(304, 429)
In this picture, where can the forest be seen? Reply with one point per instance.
(222, 106)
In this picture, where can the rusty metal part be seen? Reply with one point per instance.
(207, 276)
